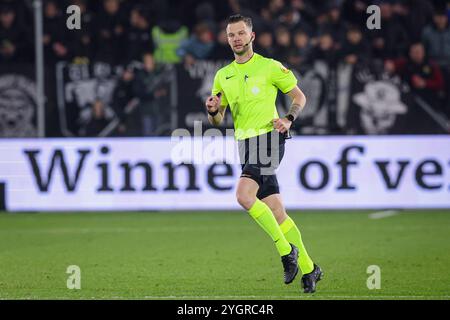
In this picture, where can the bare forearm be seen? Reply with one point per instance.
(300, 100)
(298, 103)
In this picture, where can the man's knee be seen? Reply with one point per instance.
(245, 199)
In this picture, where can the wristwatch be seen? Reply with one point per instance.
(212, 114)
(290, 117)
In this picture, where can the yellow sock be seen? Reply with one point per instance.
(293, 235)
(266, 220)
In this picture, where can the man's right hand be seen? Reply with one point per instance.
(212, 103)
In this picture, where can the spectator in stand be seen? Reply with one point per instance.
(354, 12)
(221, 50)
(148, 89)
(110, 27)
(13, 38)
(123, 94)
(98, 120)
(354, 49)
(301, 53)
(325, 51)
(334, 24)
(264, 43)
(282, 43)
(276, 7)
(321, 17)
(436, 38)
(307, 12)
(289, 18)
(55, 34)
(204, 12)
(269, 14)
(81, 43)
(22, 11)
(139, 36)
(198, 46)
(391, 41)
(293, 20)
(414, 15)
(424, 77)
(167, 37)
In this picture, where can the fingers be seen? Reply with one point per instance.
(212, 101)
(281, 128)
(279, 125)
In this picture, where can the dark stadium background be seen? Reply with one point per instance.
(326, 42)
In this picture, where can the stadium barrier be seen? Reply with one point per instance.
(148, 173)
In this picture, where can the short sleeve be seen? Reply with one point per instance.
(217, 88)
(283, 78)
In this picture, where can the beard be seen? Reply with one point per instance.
(243, 51)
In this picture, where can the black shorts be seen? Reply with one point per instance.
(260, 156)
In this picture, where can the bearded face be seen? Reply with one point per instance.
(239, 35)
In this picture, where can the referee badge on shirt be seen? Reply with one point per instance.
(284, 69)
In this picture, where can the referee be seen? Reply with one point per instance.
(249, 86)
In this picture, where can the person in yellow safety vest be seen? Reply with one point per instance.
(167, 38)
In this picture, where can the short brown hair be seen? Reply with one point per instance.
(238, 18)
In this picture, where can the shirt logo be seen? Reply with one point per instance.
(228, 77)
(255, 90)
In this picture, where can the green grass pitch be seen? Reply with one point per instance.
(220, 255)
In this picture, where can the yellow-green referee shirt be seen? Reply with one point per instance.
(250, 89)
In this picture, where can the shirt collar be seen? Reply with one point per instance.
(248, 62)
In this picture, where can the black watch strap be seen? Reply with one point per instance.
(290, 117)
(212, 114)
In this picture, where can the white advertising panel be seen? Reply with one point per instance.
(145, 173)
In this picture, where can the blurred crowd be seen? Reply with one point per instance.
(414, 39)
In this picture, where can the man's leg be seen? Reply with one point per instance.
(246, 196)
(290, 230)
(258, 210)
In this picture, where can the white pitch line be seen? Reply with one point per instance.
(383, 214)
